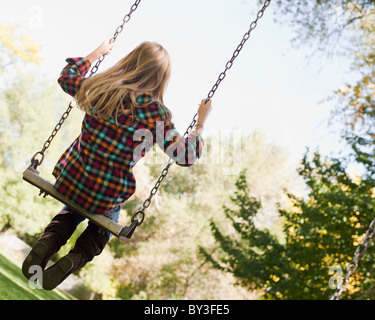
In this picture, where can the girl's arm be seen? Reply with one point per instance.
(104, 49)
(185, 151)
(73, 74)
(203, 113)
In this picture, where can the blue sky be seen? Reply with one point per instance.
(271, 87)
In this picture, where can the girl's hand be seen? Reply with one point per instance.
(204, 111)
(104, 49)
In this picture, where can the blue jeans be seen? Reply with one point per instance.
(113, 215)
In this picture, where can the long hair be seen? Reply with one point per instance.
(145, 69)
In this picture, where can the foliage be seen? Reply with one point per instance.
(325, 25)
(17, 48)
(96, 275)
(27, 118)
(326, 228)
(163, 260)
(340, 27)
(26, 114)
(355, 101)
(358, 101)
(321, 231)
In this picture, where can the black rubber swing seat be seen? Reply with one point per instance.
(32, 176)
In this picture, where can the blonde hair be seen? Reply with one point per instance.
(145, 69)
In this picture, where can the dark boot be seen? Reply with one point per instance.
(89, 244)
(36, 257)
(56, 234)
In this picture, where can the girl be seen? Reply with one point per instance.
(95, 172)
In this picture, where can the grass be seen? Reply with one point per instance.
(14, 286)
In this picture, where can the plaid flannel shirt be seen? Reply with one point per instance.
(95, 172)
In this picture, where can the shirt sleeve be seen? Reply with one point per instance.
(185, 151)
(73, 75)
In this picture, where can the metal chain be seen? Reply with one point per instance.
(229, 64)
(37, 162)
(353, 265)
(211, 93)
(236, 52)
(119, 29)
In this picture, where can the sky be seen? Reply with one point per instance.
(271, 87)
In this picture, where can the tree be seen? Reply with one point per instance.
(325, 24)
(17, 48)
(321, 232)
(246, 253)
(329, 225)
(344, 27)
(29, 107)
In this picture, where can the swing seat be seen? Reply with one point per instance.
(32, 176)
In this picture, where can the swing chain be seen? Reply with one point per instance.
(246, 37)
(119, 29)
(221, 77)
(153, 191)
(37, 162)
(34, 161)
(126, 19)
(229, 64)
(353, 265)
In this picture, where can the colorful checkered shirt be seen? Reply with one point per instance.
(95, 172)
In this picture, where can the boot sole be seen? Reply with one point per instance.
(34, 258)
(56, 274)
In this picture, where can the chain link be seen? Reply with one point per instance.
(34, 161)
(353, 265)
(37, 162)
(211, 93)
(119, 29)
(236, 52)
